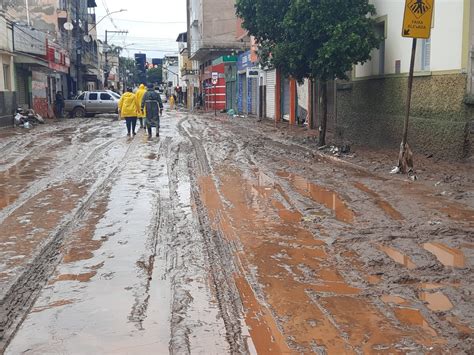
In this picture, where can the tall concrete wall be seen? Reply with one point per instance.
(372, 112)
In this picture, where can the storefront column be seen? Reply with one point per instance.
(292, 101)
(278, 97)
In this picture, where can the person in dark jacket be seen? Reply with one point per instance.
(153, 107)
(59, 100)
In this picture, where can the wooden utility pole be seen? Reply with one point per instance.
(417, 20)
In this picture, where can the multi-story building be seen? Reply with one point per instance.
(212, 34)
(7, 83)
(170, 74)
(370, 109)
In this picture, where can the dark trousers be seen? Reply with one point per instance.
(141, 122)
(131, 124)
(59, 110)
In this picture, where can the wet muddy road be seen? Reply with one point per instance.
(222, 237)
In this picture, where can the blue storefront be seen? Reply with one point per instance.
(247, 84)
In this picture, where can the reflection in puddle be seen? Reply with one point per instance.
(398, 257)
(436, 301)
(411, 316)
(328, 198)
(446, 256)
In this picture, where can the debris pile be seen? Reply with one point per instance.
(27, 118)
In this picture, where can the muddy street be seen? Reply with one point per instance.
(223, 236)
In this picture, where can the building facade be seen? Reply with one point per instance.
(370, 109)
(7, 82)
(213, 32)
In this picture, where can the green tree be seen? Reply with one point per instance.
(155, 75)
(316, 39)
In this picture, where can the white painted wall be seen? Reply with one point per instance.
(446, 38)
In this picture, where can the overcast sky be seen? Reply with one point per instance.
(152, 25)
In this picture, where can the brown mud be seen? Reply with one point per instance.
(225, 236)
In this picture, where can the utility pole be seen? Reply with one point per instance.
(78, 48)
(107, 69)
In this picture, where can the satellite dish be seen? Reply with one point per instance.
(68, 26)
(87, 38)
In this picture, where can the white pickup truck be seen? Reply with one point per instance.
(90, 103)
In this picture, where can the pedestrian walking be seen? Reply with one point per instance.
(176, 102)
(139, 96)
(171, 102)
(153, 107)
(59, 102)
(128, 110)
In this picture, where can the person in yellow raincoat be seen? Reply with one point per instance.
(171, 102)
(128, 110)
(139, 96)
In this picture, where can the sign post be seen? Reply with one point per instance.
(215, 79)
(417, 19)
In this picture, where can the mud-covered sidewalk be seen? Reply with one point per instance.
(227, 236)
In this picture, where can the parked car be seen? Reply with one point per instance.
(90, 103)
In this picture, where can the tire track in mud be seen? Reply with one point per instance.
(75, 166)
(219, 253)
(156, 231)
(21, 296)
(367, 233)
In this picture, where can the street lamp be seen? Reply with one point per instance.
(103, 18)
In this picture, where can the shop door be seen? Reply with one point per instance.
(270, 95)
(285, 99)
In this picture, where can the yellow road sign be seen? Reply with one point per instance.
(417, 18)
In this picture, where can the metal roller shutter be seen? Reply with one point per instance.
(22, 89)
(270, 99)
(254, 96)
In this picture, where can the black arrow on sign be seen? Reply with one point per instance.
(406, 32)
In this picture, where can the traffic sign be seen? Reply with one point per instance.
(417, 18)
(215, 78)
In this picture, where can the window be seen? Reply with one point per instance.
(425, 54)
(380, 30)
(105, 97)
(81, 97)
(93, 96)
(7, 77)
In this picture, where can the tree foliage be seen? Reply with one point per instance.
(319, 39)
(316, 39)
(155, 75)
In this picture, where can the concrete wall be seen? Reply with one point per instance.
(372, 112)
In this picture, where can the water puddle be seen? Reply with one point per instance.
(321, 195)
(374, 279)
(398, 257)
(446, 255)
(394, 299)
(413, 317)
(382, 204)
(303, 299)
(85, 277)
(430, 286)
(437, 301)
(16, 179)
(266, 337)
(56, 304)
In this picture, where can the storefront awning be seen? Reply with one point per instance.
(22, 58)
